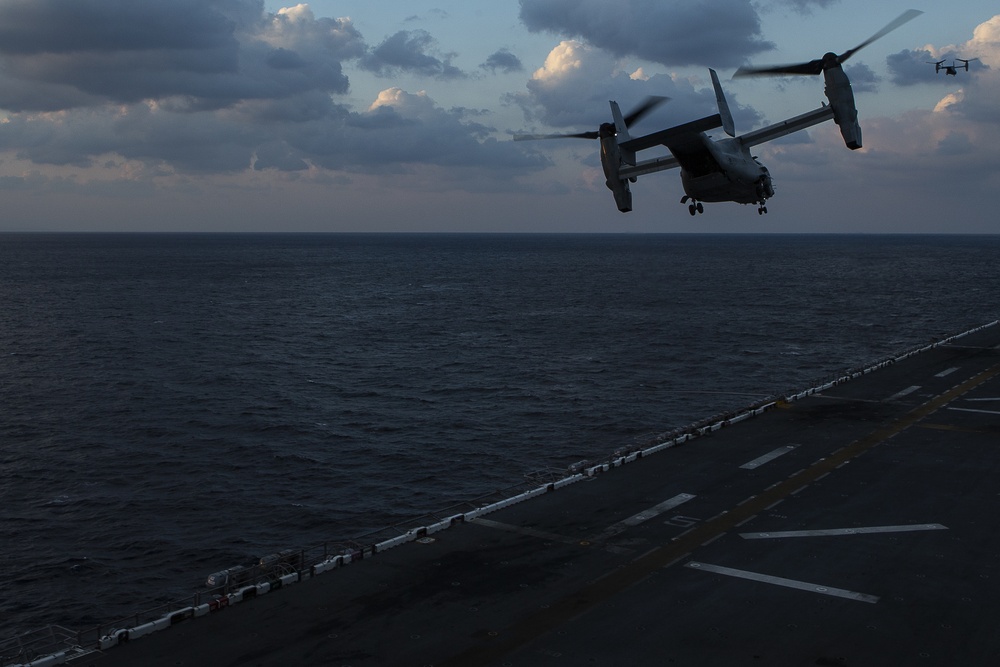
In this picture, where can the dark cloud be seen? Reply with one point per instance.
(955, 143)
(407, 129)
(290, 134)
(863, 78)
(220, 86)
(717, 34)
(807, 6)
(61, 54)
(29, 27)
(409, 51)
(909, 67)
(504, 61)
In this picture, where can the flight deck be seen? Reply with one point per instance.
(854, 524)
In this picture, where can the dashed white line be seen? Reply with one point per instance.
(987, 412)
(781, 581)
(770, 456)
(842, 531)
(642, 516)
(905, 392)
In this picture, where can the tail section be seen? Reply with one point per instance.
(621, 133)
(724, 112)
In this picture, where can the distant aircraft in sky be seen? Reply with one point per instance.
(951, 69)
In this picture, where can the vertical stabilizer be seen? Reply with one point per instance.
(621, 133)
(720, 99)
(621, 129)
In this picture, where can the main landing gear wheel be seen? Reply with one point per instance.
(694, 207)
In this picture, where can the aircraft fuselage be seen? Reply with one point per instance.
(724, 170)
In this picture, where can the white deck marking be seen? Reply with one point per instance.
(842, 531)
(781, 581)
(905, 392)
(655, 510)
(642, 516)
(991, 398)
(551, 537)
(946, 372)
(770, 456)
(987, 412)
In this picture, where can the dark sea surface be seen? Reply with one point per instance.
(173, 405)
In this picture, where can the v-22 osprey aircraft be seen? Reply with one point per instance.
(721, 170)
(952, 69)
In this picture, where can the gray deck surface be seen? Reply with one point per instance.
(853, 527)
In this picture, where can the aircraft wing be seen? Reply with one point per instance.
(686, 140)
(679, 139)
(673, 135)
(649, 167)
(785, 127)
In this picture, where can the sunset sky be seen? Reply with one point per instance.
(241, 115)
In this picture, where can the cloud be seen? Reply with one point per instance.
(57, 55)
(412, 129)
(908, 67)
(220, 87)
(408, 51)
(863, 78)
(399, 129)
(32, 27)
(574, 85)
(806, 6)
(504, 61)
(718, 34)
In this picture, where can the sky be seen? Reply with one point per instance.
(386, 116)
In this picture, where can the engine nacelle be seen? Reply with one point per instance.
(622, 193)
(845, 113)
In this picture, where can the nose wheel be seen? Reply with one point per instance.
(694, 207)
(761, 210)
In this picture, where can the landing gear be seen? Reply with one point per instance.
(694, 207)
(764, 190)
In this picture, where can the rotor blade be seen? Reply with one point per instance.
(648, 105)
(906, 16)
(811, 67)
(533, 137)
(816, 66)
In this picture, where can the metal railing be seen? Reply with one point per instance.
(37, 644)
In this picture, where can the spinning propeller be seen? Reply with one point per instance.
(606, 129)
(829, 60)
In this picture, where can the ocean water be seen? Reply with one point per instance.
(176, 404)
